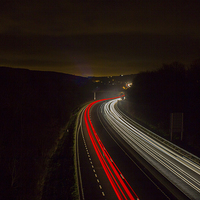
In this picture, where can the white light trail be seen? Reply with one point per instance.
(182, 172)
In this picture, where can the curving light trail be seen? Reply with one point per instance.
(120, 185)
(182, 172)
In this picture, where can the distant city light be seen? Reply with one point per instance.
(129, 84)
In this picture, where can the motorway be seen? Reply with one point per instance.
(116, 160)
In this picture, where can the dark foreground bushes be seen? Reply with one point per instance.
(170, 89)
(34, 110)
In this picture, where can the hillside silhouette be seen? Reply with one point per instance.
(170, 89)
(34, 110)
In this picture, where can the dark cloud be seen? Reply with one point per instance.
(98, 37)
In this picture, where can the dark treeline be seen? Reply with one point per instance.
(34, 109)
(172, 88)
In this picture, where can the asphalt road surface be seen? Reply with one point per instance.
(110, 162)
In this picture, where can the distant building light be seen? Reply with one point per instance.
(96, 81)
(129, 84)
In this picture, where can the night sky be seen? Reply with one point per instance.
(98, 38)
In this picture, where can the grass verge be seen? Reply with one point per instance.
(61, 180)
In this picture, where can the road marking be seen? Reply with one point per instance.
(89, 157)
(122, 176)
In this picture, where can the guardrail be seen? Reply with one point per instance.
(158, 138)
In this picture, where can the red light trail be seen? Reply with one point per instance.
(120, 185)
